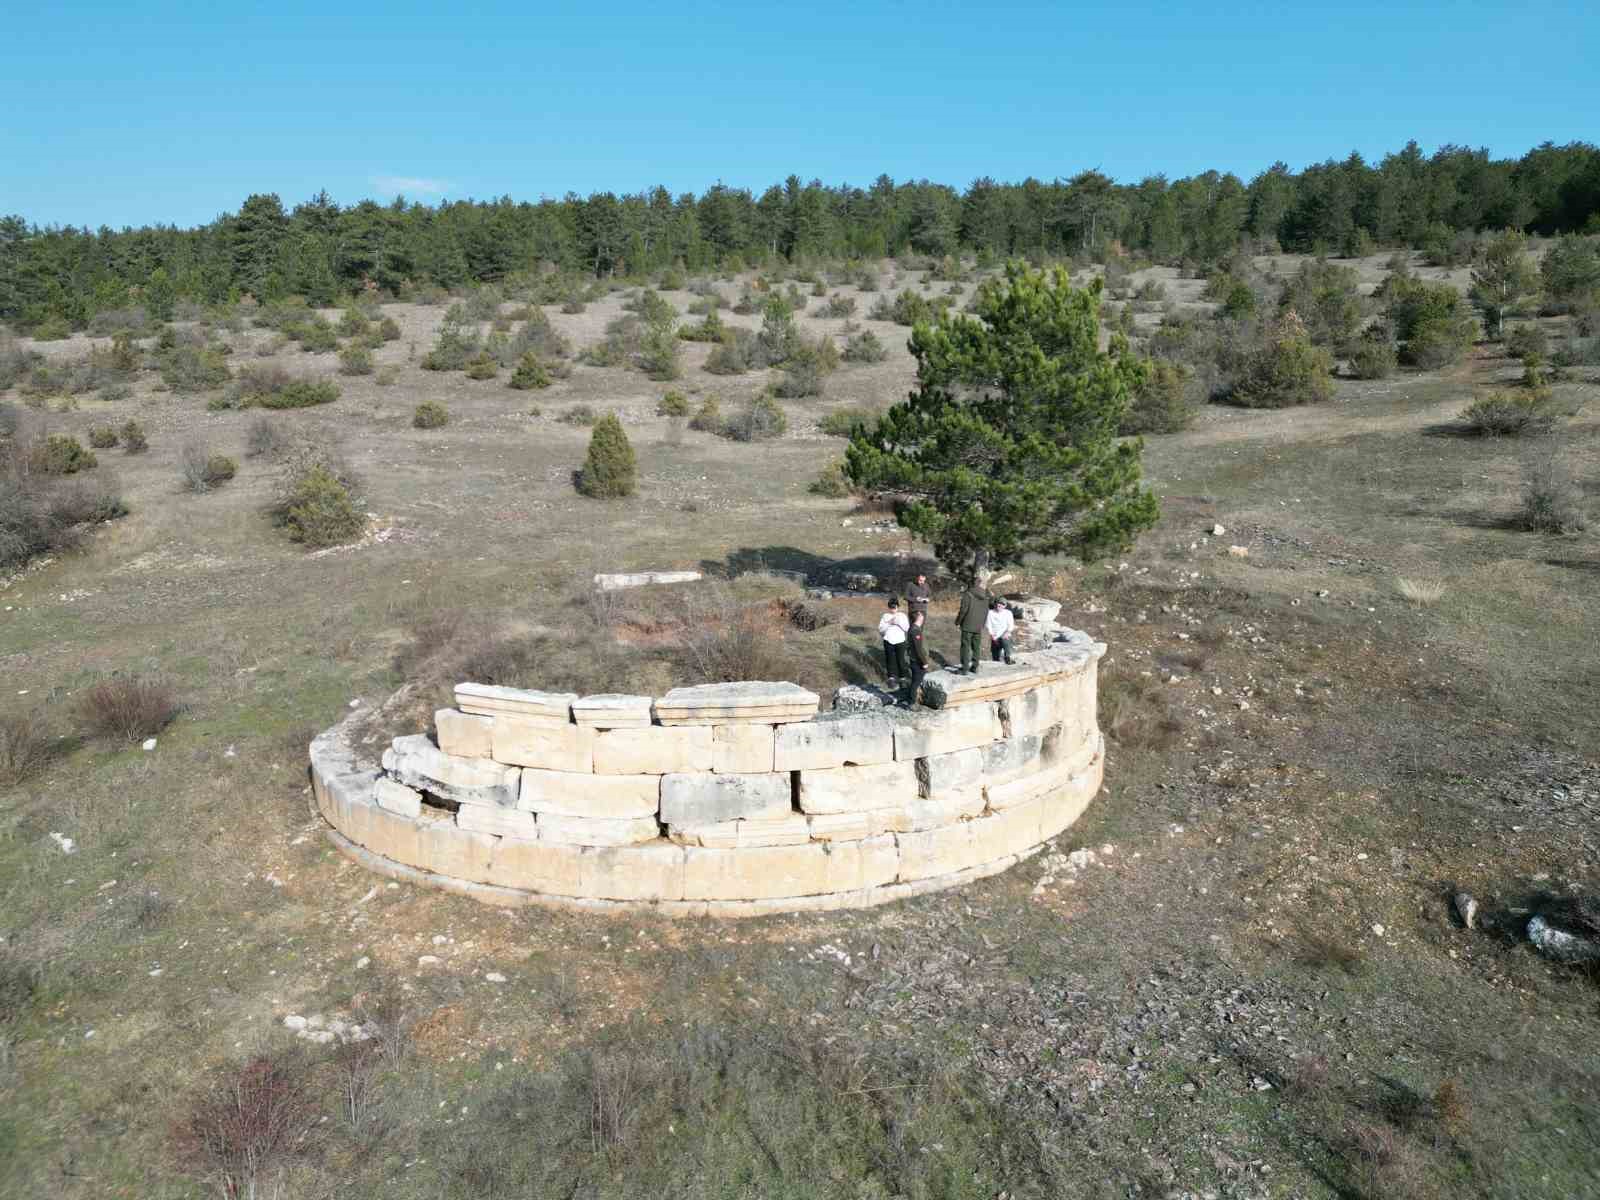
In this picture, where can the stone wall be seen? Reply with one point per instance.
(727, 799)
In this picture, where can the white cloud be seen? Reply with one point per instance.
(407, 184)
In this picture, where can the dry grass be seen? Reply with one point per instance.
(1421, 592)
(128, 707)
(26, 746)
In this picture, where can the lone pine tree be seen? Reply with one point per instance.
(610, 468)
(1008, 446)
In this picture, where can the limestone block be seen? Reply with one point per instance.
(1009, 832)
(754, 873)
(568, 794)
(446, 849)
(656, 750)
(591, 831)
(935, 852)
(854, 789)
(946, 731)
(917, 815)
(700, 798)
(1039, 608)
(994, 681)
(488, 700)
(836, 740)
(946, 776)
(398, 798)
(612, 710)
(613, 582)
(650, 872)
(389, 834)
(537, 866)
(741, 748)
(727, 703)
(463, 734)
(502, 822)
(1002, 796)
(790, 829)
(418, 763)
(854, 826)
(1009, 758)
(540, 743)
(1032, 711)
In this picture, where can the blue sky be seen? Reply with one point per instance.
(130, 114)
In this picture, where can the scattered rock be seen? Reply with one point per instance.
(427, 960)
(1377, 930)
(1561, 945)
(857, 697)
(67, 845)
(1238, 552)
(149, 743)
(295, 1022)
(1466, 909)
(495, 977)
(1218, 530)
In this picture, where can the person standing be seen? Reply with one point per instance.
(999, 624)
(893, 628)
(970, 620)
(919, 652)
(918, 596)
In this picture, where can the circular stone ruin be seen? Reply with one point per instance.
(728, 799)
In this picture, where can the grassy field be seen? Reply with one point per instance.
(1258, 987)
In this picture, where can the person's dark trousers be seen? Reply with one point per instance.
(894, 660)
(969, 649)
(1000, 649)
(917, 672)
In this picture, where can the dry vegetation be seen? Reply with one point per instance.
(1259, 991)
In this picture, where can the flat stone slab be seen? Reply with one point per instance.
(768, 703)
(490, 700)
(616, 582)
(612, 710)
(836, 740)
(694, 799)
(994, 681)
(416, 762)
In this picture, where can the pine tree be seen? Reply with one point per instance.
(1505, 276)
(611, 468)
(1009, 447)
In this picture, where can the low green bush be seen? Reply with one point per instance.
(60, 454)
(530, 374)
(1284, 371)
(610, 470)
(484, 366)
(578, 414)
(761, 419)
(1373, 355)
(673, 404)
(355, 360)
(1509, 414)
(1527, 339)
(843, 422)
(301, 393)
(712, 329)
(1160, 403)
(865, 347)
(194, 369)
(315, 500)
(133, 436)
(430, 414)
(708, 417)
(102, 437)
(831, 481)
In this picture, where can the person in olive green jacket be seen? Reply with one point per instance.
(970, 620)
(919, 653)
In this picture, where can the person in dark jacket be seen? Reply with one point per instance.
(918, 596)
(919, 653)
(970, 620)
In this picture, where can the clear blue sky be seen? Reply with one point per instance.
(125, 113)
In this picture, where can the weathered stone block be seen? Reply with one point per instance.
(502, 822)
(547, 867)
(755, 873)
(488, 700)
(994, 681)
(537, 743)
(741, 749)
(1009, 758)
(848, 739)
(935, 852)
(946, 731)
(586, 831)
(418, 763)
(398, 798)
(947, 776)
(861, 697)
(918, 815)
(463, 734)
(612, 582)
(853, 789)
(656, 750)
(853, 826)
(790, 829)
(611, 797)
(612, 710)
(1032, 711)
(446, 849)
(704, 799)
(649, 872)
(728, 703)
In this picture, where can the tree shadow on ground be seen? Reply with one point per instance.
(819, 570)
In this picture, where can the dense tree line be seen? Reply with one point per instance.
(321, 250)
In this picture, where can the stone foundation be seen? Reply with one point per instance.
(725, 800)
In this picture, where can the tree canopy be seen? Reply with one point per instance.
(1008, 446)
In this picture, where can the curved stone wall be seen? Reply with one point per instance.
(725, 800)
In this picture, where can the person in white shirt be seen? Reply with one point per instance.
(999, 624)
(892, 628)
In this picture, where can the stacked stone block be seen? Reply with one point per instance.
(729, 797)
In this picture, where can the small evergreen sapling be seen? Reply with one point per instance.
(611, 469)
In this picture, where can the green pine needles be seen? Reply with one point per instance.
(611, 468)
(1009, 446)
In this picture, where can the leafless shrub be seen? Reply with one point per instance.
(357, 1066)
(718, 640)
(128, 707)
(26, 746)
(1323, 951)
(247, 1124)
(1552, 501)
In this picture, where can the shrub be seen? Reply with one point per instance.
(1570, 272)
(673, 404)
(1431, 321)
(1160, 403)
(387, 376)
(1509, 414)
(193, 369)
(128, 707)
(389, 329)
(133, 437)
(315, 335)
(1373, 356)
(578, 414)
(573, 306)
(52, 329)
(712, 329)
(355, 360)
(843, 422)
(26, 747)
(1552, 501)
(1527, 339)
(430, 414)
(610, 470)
(837, 306)
(831, 481)
(301, 393)
(246, 1121)
(865, 347)
(102, 437)
(60, 454)
(484, 366)
(15, 361)
(317, 508)
(264, 438)
(1286, 370)
(530, 374)
(202, 470)
(658, 349)
(801, 378)
(761, 419)
(735, 356)
(455, 344)
(1327, 298)
(353, 323)
(708, 418)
